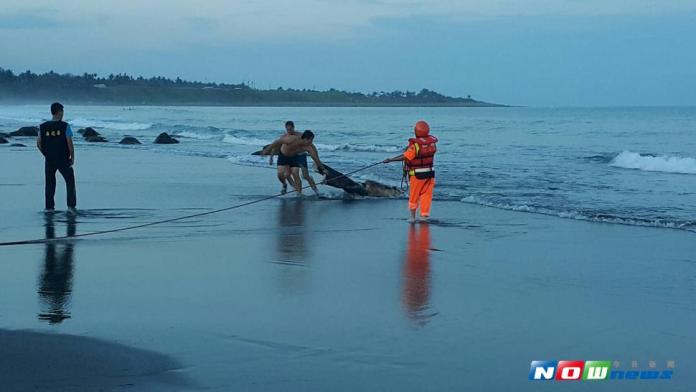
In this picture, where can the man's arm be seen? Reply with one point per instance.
(38, 141)
(394, 159)
(71, 150)
(312, 151)
(71, 147)
(409, 154)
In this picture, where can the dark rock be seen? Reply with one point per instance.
(26, 131)
(129, 140)
(3, 134)
(17, 145)
(95, 139)
(3, 140)
(88, 132)
(164, 138)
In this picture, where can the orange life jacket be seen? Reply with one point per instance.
(426, 147)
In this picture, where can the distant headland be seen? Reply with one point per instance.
(122, 89)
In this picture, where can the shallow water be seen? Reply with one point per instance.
(634, 166)
(316, 294)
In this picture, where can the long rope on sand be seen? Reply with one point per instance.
(127, 228)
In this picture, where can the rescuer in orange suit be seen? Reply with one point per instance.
(419, 159)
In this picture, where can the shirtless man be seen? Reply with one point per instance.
(290, 147)
(284, 169)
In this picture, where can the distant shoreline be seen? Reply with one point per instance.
(255, 104)
(127, 90)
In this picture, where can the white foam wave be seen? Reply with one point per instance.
(357, 147)
(195, 135)
(108, 125)
(252, 141)
(245, 141)
(666, 164)
(602, 218)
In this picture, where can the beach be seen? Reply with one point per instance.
(316, 294)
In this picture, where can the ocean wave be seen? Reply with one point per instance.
(358, 147)
(252, 141)
(250, 160)
(195, 135)
(21, 120)
(245, 141)
(590, 216)
(666, 164)
(121, 126)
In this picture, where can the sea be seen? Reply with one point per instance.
(629, 166)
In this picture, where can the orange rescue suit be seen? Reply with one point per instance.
(419, 160)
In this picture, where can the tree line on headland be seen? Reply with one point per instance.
(124, 89)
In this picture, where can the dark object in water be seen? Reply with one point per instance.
(88, 132)
(17, 145)
(260, 151)
(5, 135)
(376, 189)
(164, 138)
(95, 139)
(26, 131)
(129, 140)
(3, 140)
(338, 180)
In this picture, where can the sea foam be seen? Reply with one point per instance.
(666, 164)
(108, 125)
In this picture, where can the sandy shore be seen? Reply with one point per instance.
(329, 294)
(50, 362)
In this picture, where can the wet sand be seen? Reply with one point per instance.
(332, 294)
(58, 362)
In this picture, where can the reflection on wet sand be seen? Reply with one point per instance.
(416, 294)
(291, 238)
(291, 245)
(56, 280)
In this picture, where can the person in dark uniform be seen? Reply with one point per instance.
(55, 143)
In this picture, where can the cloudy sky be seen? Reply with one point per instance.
(525, 52)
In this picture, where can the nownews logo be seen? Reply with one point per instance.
(596, 371)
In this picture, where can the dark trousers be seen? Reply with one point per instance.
(68, 175)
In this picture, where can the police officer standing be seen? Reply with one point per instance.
(55, 143)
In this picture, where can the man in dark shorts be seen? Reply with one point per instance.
(55, 143)
(289, 147)
(285, 164)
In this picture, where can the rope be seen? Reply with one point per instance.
(100, 232)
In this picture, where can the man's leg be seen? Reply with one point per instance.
(427, 197)
(310, 180)
(296, 179)
(415, 186)
(69, 176)
(50, 190)
(282, 169)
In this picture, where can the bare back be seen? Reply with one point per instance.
(293, 145)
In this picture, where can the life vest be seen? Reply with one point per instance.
(426, 147)
(54, 141)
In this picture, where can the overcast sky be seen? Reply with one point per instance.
(524, 52)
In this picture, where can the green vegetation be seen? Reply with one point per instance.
(127, 90)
